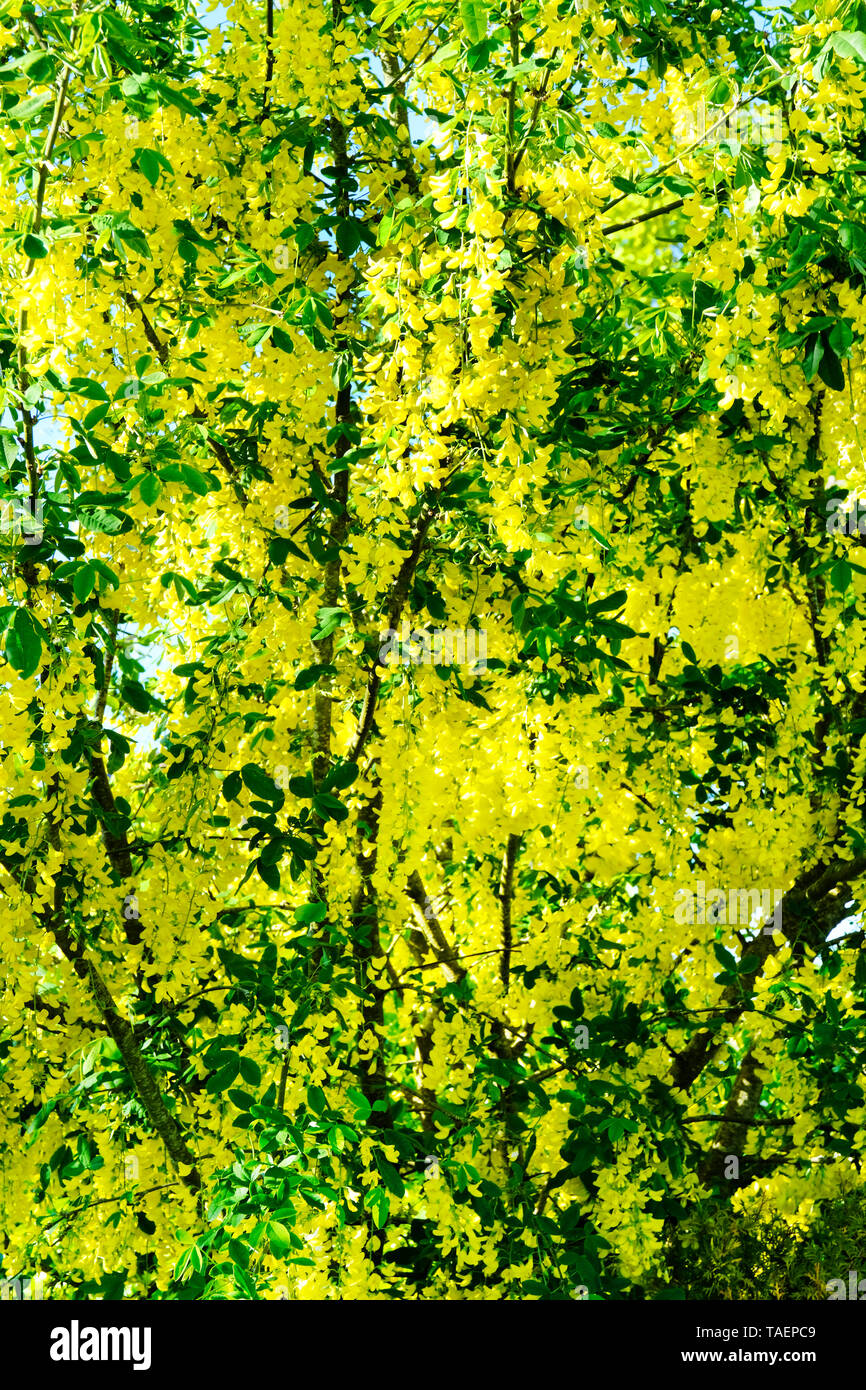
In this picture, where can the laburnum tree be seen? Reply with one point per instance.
(432, 592)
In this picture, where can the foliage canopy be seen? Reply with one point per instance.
(537, 324)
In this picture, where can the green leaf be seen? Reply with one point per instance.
(478, 56)
(678, 185)
(302, 786)
(38, 65)
(34, 247)
(136, 84)
(250, 1072)
(749, 965)
(256, 333)
(91, 390)
(474, 16)
(260, 784)
(134, 694)
(302, 848)
(311, 675)
(724, 957)
(231, 786)
(244, 1283)
(341, 776)
(849, 45)
(268, 873)
(390, 1177)
(83, 582)
(282, 340)
(279, 1237)
(28, 106)
(149, 163)
(348, 237)
(852, 236)
(242, 1099)
(149, 488)
(23, 643)
(388, 11)
(195, 480)
(108, 523)
(173, 96)
(814, 353)
(281, 546)
(329, 807)
(311, 912)
(223, 1078)
(329, 619)
(96, 415)
(133, 236)
(806, 246)
(840, 575)
(830, 370)
(363, 1108)
(274, 849)
(841, 337)
(317, 1100)
(376, 1201)
(604, 605)
(244, 270)
(105, 576)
